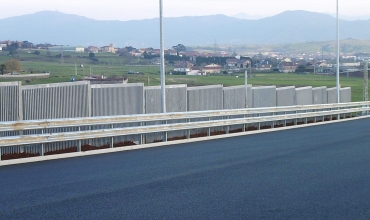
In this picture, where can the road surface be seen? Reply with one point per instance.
(319, 172)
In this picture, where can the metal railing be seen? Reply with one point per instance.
(104, 120)
(170, 122)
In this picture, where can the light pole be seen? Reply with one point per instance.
(338, 85)
(163, 77)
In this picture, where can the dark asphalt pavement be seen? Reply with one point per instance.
(320, 172)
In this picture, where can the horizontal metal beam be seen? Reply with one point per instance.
(91, 121)
(92, 134)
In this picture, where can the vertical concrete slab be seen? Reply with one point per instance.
(319, 95)
(332, 95)
(204, 98)
(345, 95)
(235, 97)
(116, 99)
(10, 101)
(10, 109)
(303, 96)
(264, 96)
(53, 101)
(176, 101)
(285, 96)
(58, 100)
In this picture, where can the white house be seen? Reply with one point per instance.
(183, 67)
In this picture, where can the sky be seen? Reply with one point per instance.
(125, 10)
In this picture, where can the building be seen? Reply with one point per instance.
(183, 67)
(212, 68)
(264, 65)
(108, 49)
(287, 67)
(93, 49)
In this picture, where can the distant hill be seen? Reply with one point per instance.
(288, 27)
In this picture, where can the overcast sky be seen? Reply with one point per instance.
(141, 9)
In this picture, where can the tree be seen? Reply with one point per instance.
(91, 55)
(2, 68)
(300, 69)
(179, 48)
(12, 48)
(13, 65)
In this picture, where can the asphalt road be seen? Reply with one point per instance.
(320, 172)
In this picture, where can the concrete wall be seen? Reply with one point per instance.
(303, 96)
(264, 96)
(234, 97)
(176, 101)
(205, 98)
(345, 95)
(59, 100)
(52, 101)
(285, 96)
(319, 95)
(332, 95)
(10, 101)
(10, 105)
(116, 99)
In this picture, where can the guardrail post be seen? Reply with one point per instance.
(227, 127)
(259, 123)
(42, 150)
(188, 131)
(244, 125)
(296, 120)
(111, 139)
(79, 142)
(306, 119)
(209, 129)
(285, 120)
(164, 139)
(141, 135)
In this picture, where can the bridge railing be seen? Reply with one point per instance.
(276, 116)
(120, 119)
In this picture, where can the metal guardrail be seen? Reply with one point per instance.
(113, 132)
(104, 120)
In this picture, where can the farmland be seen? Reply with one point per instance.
(112, 65)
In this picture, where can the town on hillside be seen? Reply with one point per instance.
(187, 61)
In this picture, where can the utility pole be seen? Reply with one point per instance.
(338, 85)
(163, 72)
(61, 55)
(246, 88)
(366, 81)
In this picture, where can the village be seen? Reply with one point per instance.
(189, 61)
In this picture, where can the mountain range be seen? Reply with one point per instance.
(288, 27)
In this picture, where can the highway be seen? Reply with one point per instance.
(319, 172)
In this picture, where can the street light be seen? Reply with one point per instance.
(163, 78)
(338, 85)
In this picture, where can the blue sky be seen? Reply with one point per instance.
(141, 9)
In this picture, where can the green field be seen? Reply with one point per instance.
(113, 66)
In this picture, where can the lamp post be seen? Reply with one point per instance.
(338, 85)
(163, 77)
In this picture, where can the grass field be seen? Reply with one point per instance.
(113, 66)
